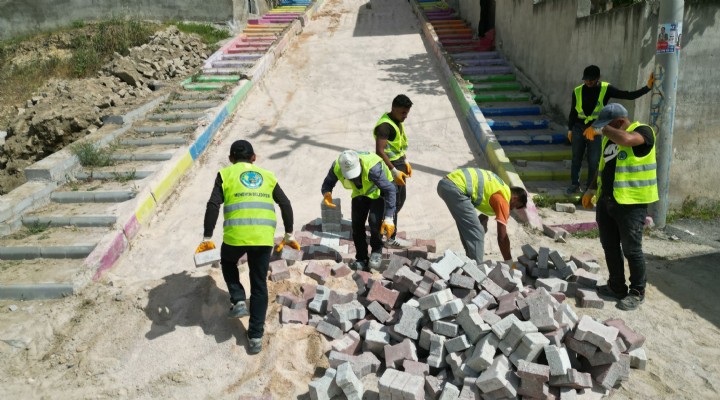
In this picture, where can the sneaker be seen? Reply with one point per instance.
(572, 189)
(254, 345)
(632, 301)
(375, 260)
(358, 265)
(605, 290)
(397, 243)
(239, 310)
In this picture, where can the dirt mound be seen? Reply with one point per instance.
(66, 110)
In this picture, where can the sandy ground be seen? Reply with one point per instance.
(155, 327)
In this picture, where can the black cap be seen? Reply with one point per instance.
(241, 150)
(591, 73)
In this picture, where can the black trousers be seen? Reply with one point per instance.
(366, 209)
(621, 231)
(400, 195)
(258, 263)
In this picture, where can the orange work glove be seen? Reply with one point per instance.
(289, 240)
(590, 133)
(328, 200)
(398, 176)
(409, 168)
(205, 245)
(388, 227)
(651, 80)
(587, 199)
(569, 136)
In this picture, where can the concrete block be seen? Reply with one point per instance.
(501, 328)
(439, 285)
(308, 291)
(329, 330)
(484, 300)
(587, 298)
(602, 358)
(460, 370)
(348, 344)
(447, 264)
(385, 383)
(291, 255)
(580, 347)
(409, 322)
(460, 343)
(425, 334)
(565, 207)
(498, 376)
(413, 388)
(376, 340)
(446, 328)
(558, 360)
(566, 315)
(325, 388)
(551, 284)
(450, 392)
(341, 270)
(318, 271)
(351, 311)
(314, 320)
(594, 332)
(540, 306)
(416, 368)
(436, 299)
(489, 317)
(568, 394)
(433, 387)
(395, 262)
(279, 270)
(448, 309)
(490, 286)
(290, 315)
(289, 300)
(607, 375)
(533, 371)
(436, 359)
(421, 264)
(531, 389)
(319, 302)
(461, 281)
(470, 392)
(406, 280)
(472, 270)
(632, 339)
(515, 334)
(428, 243)
(386, 297)
(572, 379)
(207, 257)
(585, 278)
(472, 323)
(378, 311)
(417, 252)
(543, 257)
(362, 278)
(529, 252)
(638, 358)
(346, 379)
(483, 353)
(394, 355)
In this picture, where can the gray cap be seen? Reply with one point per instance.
(608, 114)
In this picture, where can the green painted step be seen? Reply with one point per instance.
(547, 174)
(203, 86)
(548, 155)
(490, 78)
(481, 98)
(218, 78)
(491, 87)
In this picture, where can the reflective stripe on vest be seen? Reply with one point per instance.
(368, 189)
(249, 208)
(396, 148)
(599, 106)
(635, 177)
(479, 185)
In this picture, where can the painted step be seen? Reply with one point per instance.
(518, 123)
(175, 116)
(240, 64)
(485, 78)
(204, 87)
(142, 157)
(501, 96)
(539, 152)
(247, 57)
(495, 87)
(176, 141)
(475, 55)
(195, 105)
(530, 137)
(481, 62)
(446, 36)
(124, 175)
(235, 73)
(169, 128)
(490, 109)
(199, 96)
(547, 171)
(248, 50)
(486, 70)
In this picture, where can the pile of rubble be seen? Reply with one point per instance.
(66, 110)
(453, 329)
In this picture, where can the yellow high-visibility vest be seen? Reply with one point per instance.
(396, 148)
(369, 189)
(479, 185)
(599, 106)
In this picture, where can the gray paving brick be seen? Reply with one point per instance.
(450, 392)
(329, 330)
(596, 333)
(446, 265)
(472, 270)
(483, 353)
(436, 359)
(533, 371)
(601, 358)
(351, 311)
(514, 335)
(502, 327)
(572, 379)
(416, 368)
(551, 284)
(460, 343)
(378, 311)
(558, 360)
(472, 323)
(566, 315)
(638, 358)
(376, 340)
(409, 321)
(541, 311)
(446, 328)
(351, 386)
(319, 302)
(461, 281)
(580, 347)
(588, 298)
(498, 376)
(543, 257)
(433, 387)
(607, 375)
(530, 348)
(493, 288)
(436, 299)
(325, 388)
(484, 300)
(529, 252)
(448, 309)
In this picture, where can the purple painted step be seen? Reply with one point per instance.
(475, 55)
(490, 70)
(446, 36)
(270, 21)
(247, 50)
(232, 64)
(483, 62)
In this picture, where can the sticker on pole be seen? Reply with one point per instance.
(668, 39)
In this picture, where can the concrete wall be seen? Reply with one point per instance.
(21, 17)
(550, 46)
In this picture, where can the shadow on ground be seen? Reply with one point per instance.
(416, 72)
(184, 300)
(692, 282)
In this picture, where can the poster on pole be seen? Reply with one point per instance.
(668, 39)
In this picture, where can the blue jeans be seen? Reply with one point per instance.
(621, 231)
(580, 146)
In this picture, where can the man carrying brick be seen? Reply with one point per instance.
(249, 194)
(373, 200)
(626, 184)
(391, 144)
(467, 189)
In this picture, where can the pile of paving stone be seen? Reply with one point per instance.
(453, 329)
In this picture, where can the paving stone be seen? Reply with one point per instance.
(351, 311)
(416, 368)
(336, 298)
(448, 309)
(607, 375)
(289, 300)
(533, 371)
(291, 255)
(409, 321)
(461, 281)
(378, 311)
(405, 350)
(428, 243)
(552, 284)
(421, 264)
(446, 328)
(436, 359)
(502, 327)
(318, 271)
(348, 344)
(314, 320)
(413, 387)
(594, 332)
(446, 265)
(351, 386)
(557, 336)
(489, 317)
(543, 258)
(362, 364)
(385, 383)
(531, 389)
(503, 276)
(541, 311)
(290, 315)
(558, 360)
(472, 270)
(325, 388)
(406, 280)
(588, 298)
(329, 330)
(566, 315)
(602, 358)
(498, 376)
(572, 379)
(456, 344)
(439, 285)
(450, 392)
(460, 370)
(490, 286)
(472, 323)
(586, 262)
(433, 387)
(386, 297)
(341, 270)
(308, 291)
(632, 339)
(484, 300)
(507, 304)
(425, 334)
(376, 340)
(483, 353)
(638, 358)
(585, 278)
(470, 392)
(580, 347)
(529, 252)
(319, 302)
(279, 270)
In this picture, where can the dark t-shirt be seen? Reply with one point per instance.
(387, 131)
(610, 153)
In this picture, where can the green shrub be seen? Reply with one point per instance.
(209, 34)
(91, 156)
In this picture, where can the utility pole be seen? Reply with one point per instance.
(662, 107)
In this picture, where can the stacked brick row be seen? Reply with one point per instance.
(452, 329)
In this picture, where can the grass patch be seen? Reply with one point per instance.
(37, 228)
(691, 209)
(92, 156)
(208, 33)
(123, 177)
(588, 234)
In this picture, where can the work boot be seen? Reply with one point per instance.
(632, 301)
(358, 265)
(254, 345)
(375, 260)
(239, 310)
(573, 189)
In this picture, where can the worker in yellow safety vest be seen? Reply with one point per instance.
(587, 101)
(391, 145)
(625, 185)
(466, 190)
(373, 200)
(249, 194)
